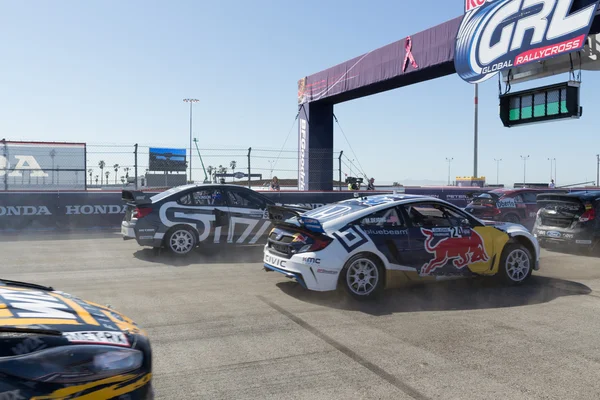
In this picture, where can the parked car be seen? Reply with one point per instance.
(569, 219)
(372, 243)
(518, 206)
(54, 345)
(183, 217)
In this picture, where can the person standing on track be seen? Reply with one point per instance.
(371, 185)
(275, 184)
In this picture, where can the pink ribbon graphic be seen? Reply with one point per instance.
(409, 55)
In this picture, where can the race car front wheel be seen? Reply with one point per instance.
(363, 277)
(516, 264)
(181, 241)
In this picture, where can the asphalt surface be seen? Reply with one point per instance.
(222, 328)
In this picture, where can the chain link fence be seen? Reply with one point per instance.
(127, 165)
(81, 166)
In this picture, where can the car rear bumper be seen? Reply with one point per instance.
(574, 237)
(127, 230)
(303, 269)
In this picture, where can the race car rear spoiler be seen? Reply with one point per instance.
(278, 214)
(136, 197)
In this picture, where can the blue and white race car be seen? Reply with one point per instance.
(371, 243)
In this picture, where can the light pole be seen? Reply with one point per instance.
(497, 170)
(191, 101)
(449, 160)
(52, 155)
(552, 160)
(597, 169)
(271, 164)
(524, 158)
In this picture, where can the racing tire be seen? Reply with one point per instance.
(512, 218)
(363, 277)
(516, 264)
(181, 241)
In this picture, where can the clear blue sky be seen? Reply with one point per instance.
(116, 72)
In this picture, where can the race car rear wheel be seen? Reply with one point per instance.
(181, 241)
(363, 277)
(516, 264)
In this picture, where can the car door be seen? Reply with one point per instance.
(444, 241)
(249, 220)
(210, 206)
(388, 231)
(530, 201)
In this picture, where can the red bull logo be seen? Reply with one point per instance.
(460, 249)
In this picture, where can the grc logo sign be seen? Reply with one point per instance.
(495, 35)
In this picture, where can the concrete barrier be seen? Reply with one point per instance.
(102, 210)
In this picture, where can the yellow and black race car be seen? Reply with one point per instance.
(56, 346)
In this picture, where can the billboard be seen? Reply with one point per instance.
(496, 35)
(162, 159)
(42, 165)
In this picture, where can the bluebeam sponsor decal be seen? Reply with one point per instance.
(23, 210)
(326, 271)
(302, 159)
(498, 34)
(311, 260)
(398, 232)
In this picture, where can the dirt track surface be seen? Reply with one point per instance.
(222, 328)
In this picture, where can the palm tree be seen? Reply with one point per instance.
(101, 165)
(210, 171)
(233, 164)
(123, 180)
(116, 167)
(126, 169)
(96, 180)
(90, 172)
(222, 170)
(107, 173)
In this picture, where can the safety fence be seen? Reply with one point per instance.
(64, 166)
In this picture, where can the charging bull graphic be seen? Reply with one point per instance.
(462, 250)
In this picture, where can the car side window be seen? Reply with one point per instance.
(186, 200)
(518, 198)
(243, 199)
(208, 197)
(530, 197)
(389, 217)
(433, 216)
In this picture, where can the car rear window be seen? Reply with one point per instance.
(167, 193)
